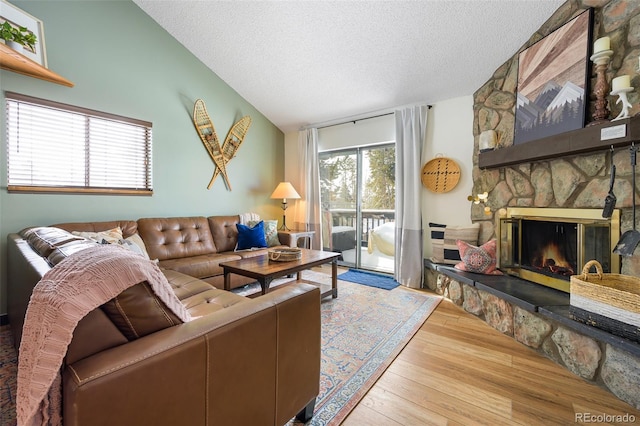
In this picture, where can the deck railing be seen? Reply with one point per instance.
(370, 219)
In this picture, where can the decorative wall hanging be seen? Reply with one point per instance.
(552, 82)
(440, 174)
(34, 44)
(221, 155)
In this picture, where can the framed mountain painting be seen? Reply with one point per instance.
(552, 93)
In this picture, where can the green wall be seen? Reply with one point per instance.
(122, 62)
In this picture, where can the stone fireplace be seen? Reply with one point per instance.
(547, 246)
(578, 180)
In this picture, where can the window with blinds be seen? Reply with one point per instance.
(53, 147)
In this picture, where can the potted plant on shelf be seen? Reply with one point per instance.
(17, 37)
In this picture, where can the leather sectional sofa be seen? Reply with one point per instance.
(240, 361)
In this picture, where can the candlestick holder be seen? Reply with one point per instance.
(601, 89)
(626, 105)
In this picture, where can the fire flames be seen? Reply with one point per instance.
(552, 260)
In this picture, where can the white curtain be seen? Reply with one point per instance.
(411, 124)
(309, 179)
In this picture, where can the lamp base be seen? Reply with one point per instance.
(284, 223)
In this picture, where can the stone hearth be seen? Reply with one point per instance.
(538, 317)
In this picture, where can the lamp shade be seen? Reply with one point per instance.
(285, 190)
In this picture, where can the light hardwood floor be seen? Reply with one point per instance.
(457, 370)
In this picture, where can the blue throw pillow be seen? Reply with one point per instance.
(250, 237)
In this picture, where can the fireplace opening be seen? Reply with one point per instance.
(548, 245)
(550, 248)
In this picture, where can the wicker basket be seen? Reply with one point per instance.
(285, 254)
(440, 174)
(610, 302)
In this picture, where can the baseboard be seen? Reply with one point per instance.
(4, 319)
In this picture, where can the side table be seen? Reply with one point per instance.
(290, 237)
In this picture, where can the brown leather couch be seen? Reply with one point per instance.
(241, 361)
(192, 245)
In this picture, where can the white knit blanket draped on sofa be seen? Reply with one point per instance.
(65, 294)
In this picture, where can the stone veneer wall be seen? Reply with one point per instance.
(568, 182)
(573, 181)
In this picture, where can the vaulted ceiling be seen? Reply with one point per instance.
(311, 62)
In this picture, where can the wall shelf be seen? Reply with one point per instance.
(580, 141)
(13, 61)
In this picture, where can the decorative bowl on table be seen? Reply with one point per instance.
(284, 254)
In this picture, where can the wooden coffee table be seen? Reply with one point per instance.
(265, 270)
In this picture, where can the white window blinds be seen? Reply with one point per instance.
(54, 147)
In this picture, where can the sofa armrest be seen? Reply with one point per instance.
(253, 363)
(25, 268)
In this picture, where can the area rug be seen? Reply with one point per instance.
(370, 279)
(363, 330)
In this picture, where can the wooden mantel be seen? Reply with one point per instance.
(580, 141)
(14, 61)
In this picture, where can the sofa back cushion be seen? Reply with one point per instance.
(176, 237)
(129, 227)
(224, 231)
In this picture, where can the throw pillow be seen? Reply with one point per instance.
(468, 234)
(135, 243)
(112, 236)
(129, 245)
(481, 260)
(437, 241)
(270, 231)
(251, 237)
(443, 239)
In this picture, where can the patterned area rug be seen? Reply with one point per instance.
(363, 330)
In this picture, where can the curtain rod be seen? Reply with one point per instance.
(354, 120)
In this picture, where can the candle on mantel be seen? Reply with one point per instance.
(602, 44)
(621, 82)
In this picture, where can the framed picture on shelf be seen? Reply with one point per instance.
(19, 18)
(552, 94)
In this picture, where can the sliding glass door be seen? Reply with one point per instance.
(358, 205)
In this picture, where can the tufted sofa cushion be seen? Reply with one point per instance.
(199, 297)
(176, 237)
(224, 231)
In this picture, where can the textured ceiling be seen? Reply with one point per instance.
(311, 62)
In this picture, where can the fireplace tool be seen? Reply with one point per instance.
(610, 200)
(630, 239)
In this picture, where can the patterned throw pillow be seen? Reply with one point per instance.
(481, 260)
(270, 231)
(112, 236)
(443, 239)
(251, 236)
(135, 244)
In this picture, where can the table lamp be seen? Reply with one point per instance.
(285, 190)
